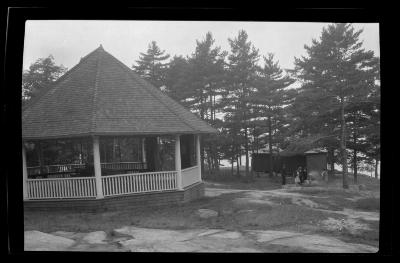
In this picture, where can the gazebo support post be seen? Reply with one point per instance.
(24, 173)
(178, 161)
(198, 157)
(144, 153)
(97, 168)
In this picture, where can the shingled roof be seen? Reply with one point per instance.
(102, 96)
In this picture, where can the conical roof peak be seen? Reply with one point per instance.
(102, 96)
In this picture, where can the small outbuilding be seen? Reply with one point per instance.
(314, 160)
(101, 137)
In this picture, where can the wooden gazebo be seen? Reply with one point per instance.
(101, 131)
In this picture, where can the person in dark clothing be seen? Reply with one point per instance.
(283, 174)
(299, 174)
(304, 174)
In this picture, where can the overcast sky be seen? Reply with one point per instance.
(68, 41)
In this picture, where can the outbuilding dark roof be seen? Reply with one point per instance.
(102, 96)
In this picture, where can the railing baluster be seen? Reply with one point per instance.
(123, 184)
(48, 189)
(105, 185)
(53, 188)
(55, 191)
(33, 192)
(83, 188)
(36, 189)
(119, 185)
(72, 182)
(127, 183)
(62, 184)
(115, 186)
(33, 188)
(91, 192)
(66, 188)
(40, 191)
(109, 183)
(45, 187)
(135, 188)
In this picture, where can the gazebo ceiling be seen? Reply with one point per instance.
(102, 96)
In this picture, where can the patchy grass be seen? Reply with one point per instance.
(232, 215)
(243, 183)
(368, 204)
(369, 237)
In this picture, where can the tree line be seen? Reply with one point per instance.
(330, 99)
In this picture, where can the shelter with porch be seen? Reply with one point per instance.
(101, 135)
(315, 160)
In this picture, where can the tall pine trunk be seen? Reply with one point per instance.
(246, 146)
(376, 168)
(331, 153)
(271, 162)
(232, 162)
(202, 141)
(355, 158)
(237, 166)
(343, 143)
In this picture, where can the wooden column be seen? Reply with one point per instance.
(97, 168)
(198, 157)
(24, 173)
(178, 160)
(143, 150)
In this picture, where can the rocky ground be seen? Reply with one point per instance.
(291, 219)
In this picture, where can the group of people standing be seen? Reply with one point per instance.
(301, 175)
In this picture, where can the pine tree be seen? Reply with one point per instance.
(270, 99)
(336, 73)
(177, 81)
(242, 76)
(152, 66)
(40, 75)
(206, 69)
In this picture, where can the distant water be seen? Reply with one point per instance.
(226, 163)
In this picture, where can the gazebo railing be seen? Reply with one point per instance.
(190, 176)
(112, 185)
(139, 183)
(79, 187)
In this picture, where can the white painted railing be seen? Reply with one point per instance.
(139, 182)
(114, 185)
(78, 187)
(190, 176)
